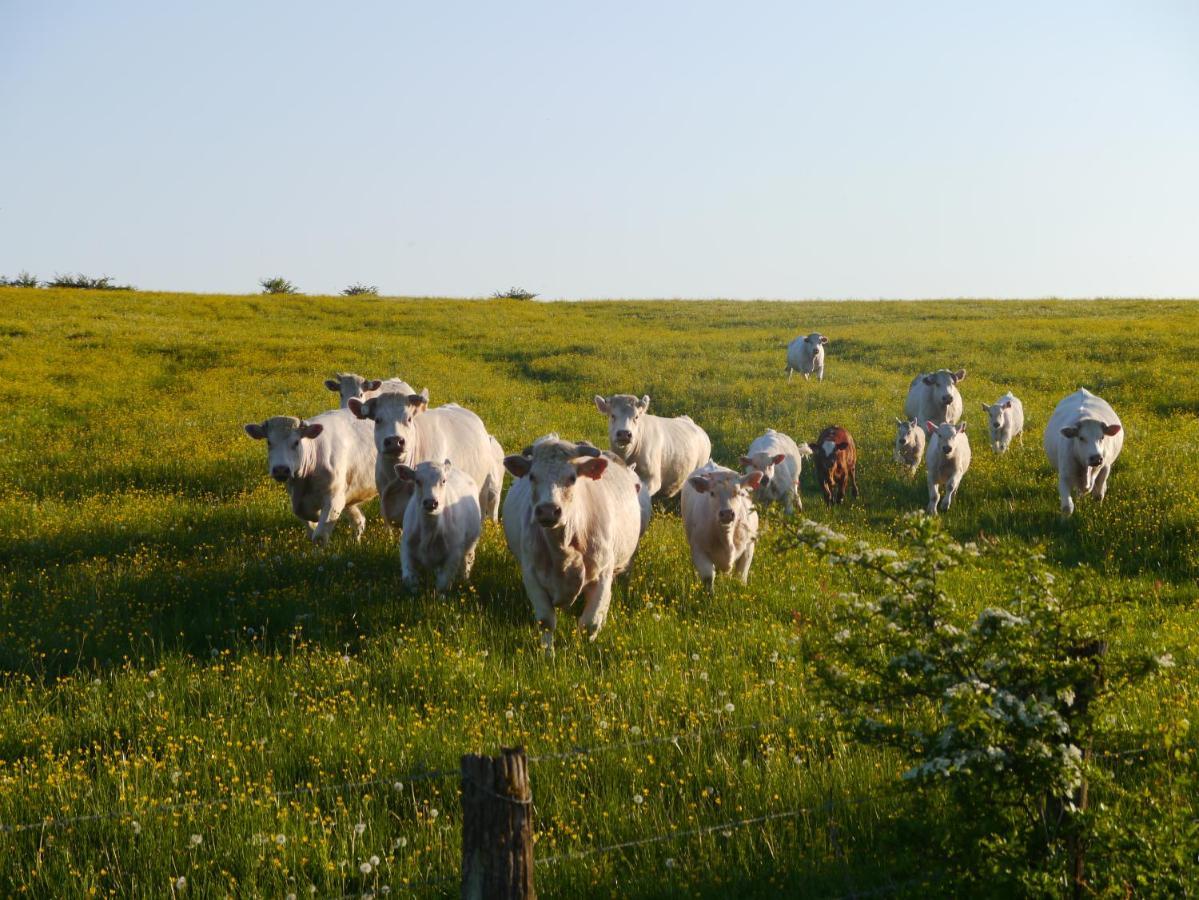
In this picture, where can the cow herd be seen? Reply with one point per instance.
(575, 514)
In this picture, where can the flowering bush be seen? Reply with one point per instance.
(996, 705)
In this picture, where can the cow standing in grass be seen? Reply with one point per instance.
(805, 355)
(779, 460)
(947, 459)
(835, 457)
(664, 451)
(909, 445)
(327, 463)
(1083, 438)
(349, 386)
(934, 397)
(1005, 421)
(576, 520)
(720, 521)
(407, 431)
(442, 524)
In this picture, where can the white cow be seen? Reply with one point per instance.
(947, 459)
(408, 432)
(909, 445)
(1005, 419)
(780, 460)
(805, 355)
(573, 520)
(348, 386)
(720, 521)
(442, 524)
(664, 451)
(327, 463)
(1083, 438)
(934, 397)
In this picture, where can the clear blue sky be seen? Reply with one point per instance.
(648, 149)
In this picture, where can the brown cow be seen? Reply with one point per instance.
(836, 459)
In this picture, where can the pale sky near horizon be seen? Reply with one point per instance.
(652, 149)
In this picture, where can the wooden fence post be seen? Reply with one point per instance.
(497, 827)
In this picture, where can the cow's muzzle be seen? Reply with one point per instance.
(624, 438)
(547, 514)
(726, 516)
(430, 505)
(280, 473)
(393, 446)
(1095, 460)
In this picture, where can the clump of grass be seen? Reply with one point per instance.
(361, 290)
(278, 285)
(24, 279)
(79, 281)
(513, 293)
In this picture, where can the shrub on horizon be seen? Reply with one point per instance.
(278, 285)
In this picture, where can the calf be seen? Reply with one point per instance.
(909, 445)
(779, 459)
(1083, 438)
(348, 386)
(947, 459)
(664, 451)
(720, 521)
(575, 518)
(442, 524)
(806, 356)
(1005, 419)
(408, 432)
(327, 463)
(934, 397)
(836, 459)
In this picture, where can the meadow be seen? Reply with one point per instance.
(194, 701)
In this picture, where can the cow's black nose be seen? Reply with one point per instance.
(1096, 459)
(726, 516)
(429, 504)
(624, 437)
(547, 513)
(280, 473)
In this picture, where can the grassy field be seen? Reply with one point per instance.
(191, 692)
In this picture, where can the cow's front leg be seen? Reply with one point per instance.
(597, 597)
(543, 610)
(410, 571)
(358, 520)
(742, 563)
(331, 509)
(706, 569)
(449, 571)
(934, 497)
(951, 489)
(1063, 492)
(1099, 488)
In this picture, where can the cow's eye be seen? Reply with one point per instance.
(532, 478)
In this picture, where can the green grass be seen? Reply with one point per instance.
(178, 657)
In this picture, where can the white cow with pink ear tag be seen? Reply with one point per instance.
(1083, 438)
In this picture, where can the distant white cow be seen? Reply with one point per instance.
(327, 463)
(909, 445)
(442, 524)
(664, 451)
(947, 459)
(408, 432)
(1083, 438)
(805, 355)
(348, 386)
(573, 519)
(934, 397)
(1005, 419)
(780, 460)
(720, 521)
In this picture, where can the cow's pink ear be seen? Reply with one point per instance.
(644, 403)
(332, 384)
(360, 408)
(1109, 430)
(256, 431)
(372, 385)
(601, 403)
(778, 458)
(752, 480)
(930, 427)
(518, 465)
(961, 428)
(699, 483)
(405, 473)
(959, 375)
(823, 340)
(310, 429)
(593, 467)
(746, 461)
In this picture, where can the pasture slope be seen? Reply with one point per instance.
(190, 692)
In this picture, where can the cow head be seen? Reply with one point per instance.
(728, 493)
(908, 433)
(393, 415)
(285, 437)
(624, 412)
(949, 437)
(553, 468)
(428, 484)
(942, 385)
(1089, 443)
(764, 464)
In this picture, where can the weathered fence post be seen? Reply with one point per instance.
(497, 827)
